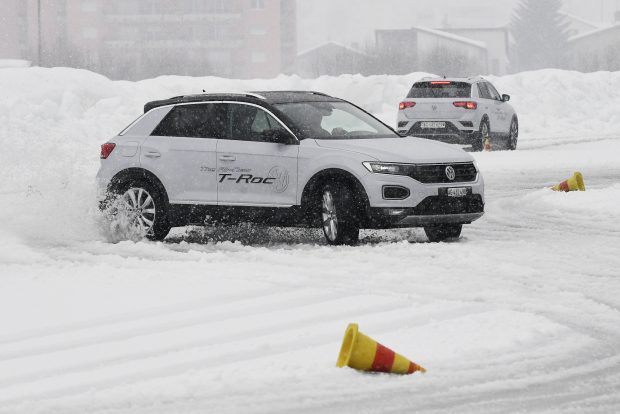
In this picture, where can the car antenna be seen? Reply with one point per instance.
(204, 91)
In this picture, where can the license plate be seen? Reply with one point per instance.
(433, 125)
(458, 192)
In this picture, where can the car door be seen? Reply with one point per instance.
(251, 170)
(182, 152)
(502, 110)
(489, 106)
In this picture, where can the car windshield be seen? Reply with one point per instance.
(440, 89)
(334, 120)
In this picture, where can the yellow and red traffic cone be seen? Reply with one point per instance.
(363, 353)
(575, 183)
(487, 144)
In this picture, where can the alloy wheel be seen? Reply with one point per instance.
(330, 217)
(140, 209)
(514, 134)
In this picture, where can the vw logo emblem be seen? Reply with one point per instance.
(434, 107)
(450, 173)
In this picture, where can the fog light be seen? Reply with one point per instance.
(393, 192)
(396, 211)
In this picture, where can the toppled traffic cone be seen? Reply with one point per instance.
(363, 353)
(575, 183)
(487, 144)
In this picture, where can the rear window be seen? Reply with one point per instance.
(194, 121)
(440, 89)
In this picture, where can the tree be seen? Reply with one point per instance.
(540, 35)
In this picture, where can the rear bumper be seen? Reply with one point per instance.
(451, 134)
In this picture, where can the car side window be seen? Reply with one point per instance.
(483, 91)
(494, 94)
(250, 123)
(194, 121)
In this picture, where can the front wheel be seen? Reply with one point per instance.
(339, 222)
(442, 232)
(514, 135)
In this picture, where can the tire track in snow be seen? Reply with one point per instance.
(214, 361)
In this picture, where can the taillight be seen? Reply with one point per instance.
(466, 104)
(405, 105)
(441, 83)
(106, 150)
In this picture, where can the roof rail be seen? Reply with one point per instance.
(249, 94)
(254, 95)
(308, 92)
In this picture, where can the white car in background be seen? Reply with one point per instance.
(465, 111)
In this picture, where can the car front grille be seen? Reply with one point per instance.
(436, 173)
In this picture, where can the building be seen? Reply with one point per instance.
(575, 25)
(497, 41)
(133, 39)
(428, 50)
(331, 59)
(596, 50)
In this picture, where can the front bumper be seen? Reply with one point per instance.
(432, 210)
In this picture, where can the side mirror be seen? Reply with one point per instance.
(505, 98)
(278, 136)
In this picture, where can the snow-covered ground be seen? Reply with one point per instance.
(520, 315)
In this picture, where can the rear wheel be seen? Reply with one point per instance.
(483, 135)
(338, 215)
(513, 137)
(442, 232)
(139, 210)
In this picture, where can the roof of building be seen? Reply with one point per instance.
(331, 44)
(445, 35)
(594, 32)
(594, 25)
(270, 97)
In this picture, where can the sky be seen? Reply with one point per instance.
(352, 22)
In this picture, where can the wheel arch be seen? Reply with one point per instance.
(136, 173)
(311, 190)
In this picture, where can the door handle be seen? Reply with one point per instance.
(227, 158)
(152, 154)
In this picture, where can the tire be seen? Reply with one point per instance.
(513, 136)
(145, 208)
(443, 232)
(485, 131)
(339, 219)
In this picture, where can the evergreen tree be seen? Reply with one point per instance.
(540, 36)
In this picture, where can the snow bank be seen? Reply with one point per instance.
(52, 122)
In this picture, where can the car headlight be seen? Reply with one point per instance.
(387, 168)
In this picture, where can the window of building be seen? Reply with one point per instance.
(89, 6)
(259, 57)
(194, 121)
(258, 4)
(258, 31)
(89, 33)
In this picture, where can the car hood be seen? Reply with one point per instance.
(406, 150)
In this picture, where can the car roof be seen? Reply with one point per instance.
(269, 97)
(472, 79)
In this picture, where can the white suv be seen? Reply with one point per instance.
(284, 159)
(459, 111)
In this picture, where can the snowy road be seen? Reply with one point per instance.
(520, 315)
